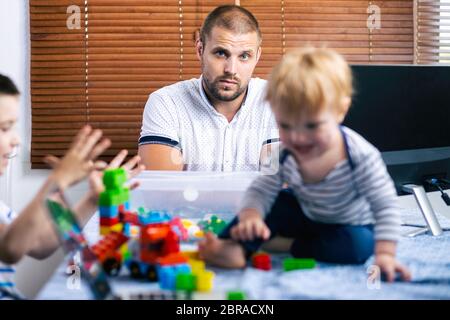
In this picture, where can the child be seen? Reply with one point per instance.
(341, 203)
(31, 233)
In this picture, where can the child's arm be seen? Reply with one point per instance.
(257, 201)
(32, 228)
(385, 259)
(88, 205)
(377, 186)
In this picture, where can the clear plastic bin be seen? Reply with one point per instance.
(192, 195)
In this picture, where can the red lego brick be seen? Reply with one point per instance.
(109, 221)
(171, 259)
(262, 261)
(129, 217)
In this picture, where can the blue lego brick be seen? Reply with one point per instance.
(109, 211)
(182, 268)
(127, 227)
(126, 205)
(152, 217)
(167, 277)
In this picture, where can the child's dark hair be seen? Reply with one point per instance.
(7, 86)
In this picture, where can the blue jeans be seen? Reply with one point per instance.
(334, 243)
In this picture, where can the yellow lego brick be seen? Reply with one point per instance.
(199, 234)
(205, 281)
(106, 230)
(197, 266)
(190, 254)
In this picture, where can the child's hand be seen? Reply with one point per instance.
(251, 225)
(131, 167)
(79, 160)
(389, 266)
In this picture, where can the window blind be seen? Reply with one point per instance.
(102, 72)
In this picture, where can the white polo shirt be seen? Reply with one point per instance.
(181, 116)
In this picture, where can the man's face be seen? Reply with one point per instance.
(227, 61)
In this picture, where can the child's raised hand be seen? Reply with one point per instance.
(80, 159)
(389, 267)
(251, 225)
(132, 168)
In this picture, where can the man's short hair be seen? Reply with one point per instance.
(7, 86)
(230, 17)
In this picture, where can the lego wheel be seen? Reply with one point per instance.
(112, 266)
(135, 270)
(151, 274)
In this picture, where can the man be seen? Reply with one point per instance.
(219, 122)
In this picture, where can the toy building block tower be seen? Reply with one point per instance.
(113, 200)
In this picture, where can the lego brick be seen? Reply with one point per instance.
(114, 178)
(205, 280)
(167, 277)
(172, 259)
(213, 224)
(153, 217)
(235, 295)
(108, 222)
(298, 264)
(262, 261)
(182, 268)
(130, 217)
(197, 266)
(108, 211)
(185, 281)
(111, 198)
(131, 231)
(190, 254)
(106, 230)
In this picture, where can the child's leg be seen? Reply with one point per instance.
(282, 220)
(225, 253)
(336, 243)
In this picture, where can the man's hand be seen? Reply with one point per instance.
(251, 225)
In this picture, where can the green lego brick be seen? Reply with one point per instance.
(186, 281)
(214, 225)
(298, 264)
(125, 194)
(114, 178)
(111, 198)
(235, 295)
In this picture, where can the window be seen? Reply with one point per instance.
(432, 32)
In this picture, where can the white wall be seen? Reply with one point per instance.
(15, 63)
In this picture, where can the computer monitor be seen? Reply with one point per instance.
(404, 111)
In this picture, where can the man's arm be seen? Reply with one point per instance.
(160, 157)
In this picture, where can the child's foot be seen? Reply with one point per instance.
(278, 244)
(221, 253)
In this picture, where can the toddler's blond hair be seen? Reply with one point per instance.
(308, 80)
